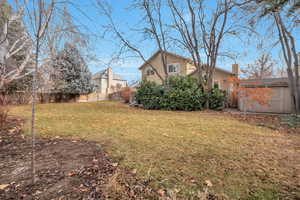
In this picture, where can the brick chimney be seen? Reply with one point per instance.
(236, 69)
(109, 79)
(109, 76)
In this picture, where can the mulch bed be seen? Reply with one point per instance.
(65, 169)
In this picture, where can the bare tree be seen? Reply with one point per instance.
(190, 34)
(154, 29)
(213, 33)
(40, 13)
(262, 68)
(285, 22)
(11, 70)
(203, 33)
(288, 46)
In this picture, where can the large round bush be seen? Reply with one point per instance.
(182, 93)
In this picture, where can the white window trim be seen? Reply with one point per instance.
(177, 68)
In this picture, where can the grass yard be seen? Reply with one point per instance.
(183, 151)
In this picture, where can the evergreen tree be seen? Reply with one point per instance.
(71, 72)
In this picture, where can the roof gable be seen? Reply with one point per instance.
(166, 52)
(180, 57)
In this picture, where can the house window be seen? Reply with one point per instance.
(150, 72)
(173, 68)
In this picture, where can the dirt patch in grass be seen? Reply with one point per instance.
(282, 123)
(65, 169)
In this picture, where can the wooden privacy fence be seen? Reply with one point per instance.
(19, 98)
(93, 97)
(114, 96)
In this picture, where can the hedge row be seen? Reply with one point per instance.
(182, 93)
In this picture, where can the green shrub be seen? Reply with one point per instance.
(217, 99)
(149, 94)
(182, 93)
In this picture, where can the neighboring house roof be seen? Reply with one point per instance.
(100, 74)
(268, 82)
(117, 77)
(178, 56)
(134, 84)
(103, 75)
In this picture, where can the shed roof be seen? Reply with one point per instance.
(268, 82)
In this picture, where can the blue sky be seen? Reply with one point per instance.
(243, 48)
(125, 19)
(105, 48)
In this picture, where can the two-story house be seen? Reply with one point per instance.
(179, 65)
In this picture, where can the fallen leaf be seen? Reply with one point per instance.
(114, 164)
(3, 186)
(72, 174)
(208, 183)
(11, 130)
(134, 171)
(161, 192)
(193, 181)
(37, 192)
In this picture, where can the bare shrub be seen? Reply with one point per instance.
(3, 99)
(3, 116)
(126, 94)
(3, 111)
(21, 98)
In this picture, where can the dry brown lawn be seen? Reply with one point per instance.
(182, 152)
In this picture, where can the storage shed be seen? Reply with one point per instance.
(281, 101)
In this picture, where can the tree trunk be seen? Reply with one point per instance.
(288, 46)
(208, 93)
(297, 95)
(34, 91)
